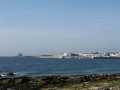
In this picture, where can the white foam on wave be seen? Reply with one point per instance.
(12, 74)
(17, 74)
(3, 75)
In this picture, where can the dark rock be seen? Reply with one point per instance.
(36, 83)
(25, 80)
(9, 74)
(9, 89)
(106, 89)
(85, 79)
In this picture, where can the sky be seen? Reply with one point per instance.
(36, 27)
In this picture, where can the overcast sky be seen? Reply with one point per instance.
(35, 27)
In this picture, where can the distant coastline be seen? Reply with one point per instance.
(49, 56)
(93, 55)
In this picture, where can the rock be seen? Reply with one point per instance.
(11, 74)
(81, 82)
(85, 79)
(8, 74)
(107, 89)
(9, 89)
(24, 80)
(5, 81)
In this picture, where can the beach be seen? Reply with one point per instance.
(78, 82)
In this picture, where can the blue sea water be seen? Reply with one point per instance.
(48, 67)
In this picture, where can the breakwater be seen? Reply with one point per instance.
(49, 57)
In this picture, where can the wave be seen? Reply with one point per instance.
(12, 74)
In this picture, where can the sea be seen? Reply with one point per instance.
(32, 67)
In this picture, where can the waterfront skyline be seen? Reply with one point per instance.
(54, 26)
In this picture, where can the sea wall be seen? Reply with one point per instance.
(59, 57)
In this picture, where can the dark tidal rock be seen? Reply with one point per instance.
(7, 74)
(22, 80)
(29, 83)
(10, 74)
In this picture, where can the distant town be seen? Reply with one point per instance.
(93, 55)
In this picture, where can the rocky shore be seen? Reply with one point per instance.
(81, 82)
